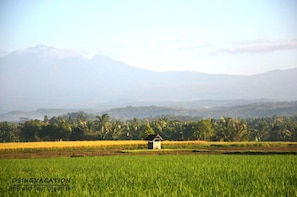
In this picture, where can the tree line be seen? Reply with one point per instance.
(77, 126)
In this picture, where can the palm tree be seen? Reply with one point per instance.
(103, 125)
(262, 128)
(116, 129)
(240, 130)
(205, 129)
(133, 130)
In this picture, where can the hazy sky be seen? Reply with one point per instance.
(212, 36)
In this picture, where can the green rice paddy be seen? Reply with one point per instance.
(151, 175)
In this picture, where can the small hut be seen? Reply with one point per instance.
(154, 141)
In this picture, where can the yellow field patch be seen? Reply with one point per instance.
(65, 144)
(109, 143)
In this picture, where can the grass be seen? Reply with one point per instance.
(162, 175)
(98, 148)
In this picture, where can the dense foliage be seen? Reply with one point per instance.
(166, 175)
(77, 126)
(215, 109)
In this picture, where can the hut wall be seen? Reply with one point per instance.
(154, 144)
(150, 145)
(157, 145)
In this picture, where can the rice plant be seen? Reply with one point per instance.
(157, 175)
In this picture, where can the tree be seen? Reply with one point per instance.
(188, 129)
(223, 129)
(232, 129)
(176, 130)
(8, 132)
(159, 124)
(45, 120)
(79, 126)
(103, 125)
(58, 128)
(204, 129)
(31, 130)
(116, 130)
(132, 129)
(240, 130)
(148, 130)
(259, 128)
(77, 133)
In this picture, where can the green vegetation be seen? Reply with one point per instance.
(197, 109)
(77, 126)
(165, 175)
(116, 147)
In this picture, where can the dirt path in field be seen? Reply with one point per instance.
(39, 153)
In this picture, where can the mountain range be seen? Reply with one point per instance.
(46, 77)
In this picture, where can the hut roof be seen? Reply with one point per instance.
(153, 137)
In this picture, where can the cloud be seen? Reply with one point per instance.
(194, 45)
(261, 46)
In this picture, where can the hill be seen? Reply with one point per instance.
(45, 77)
(252, 110)
(212, 110)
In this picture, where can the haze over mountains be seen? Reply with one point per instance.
(45, 77)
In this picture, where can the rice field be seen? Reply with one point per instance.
(123, 143)
(69, 144)
(151, 175)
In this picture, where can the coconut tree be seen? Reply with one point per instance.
(262, 129)
(240, 129)
(224, 129)
(103, 125)
(133, 129)
(205, 129)
(116, 130)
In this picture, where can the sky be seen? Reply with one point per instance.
(212, 36)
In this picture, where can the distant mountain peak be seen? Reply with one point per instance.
(38, 77)
(40, 48)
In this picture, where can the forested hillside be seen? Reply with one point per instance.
(189, 110)
(252, 110)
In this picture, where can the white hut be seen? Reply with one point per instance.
(154, 141)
